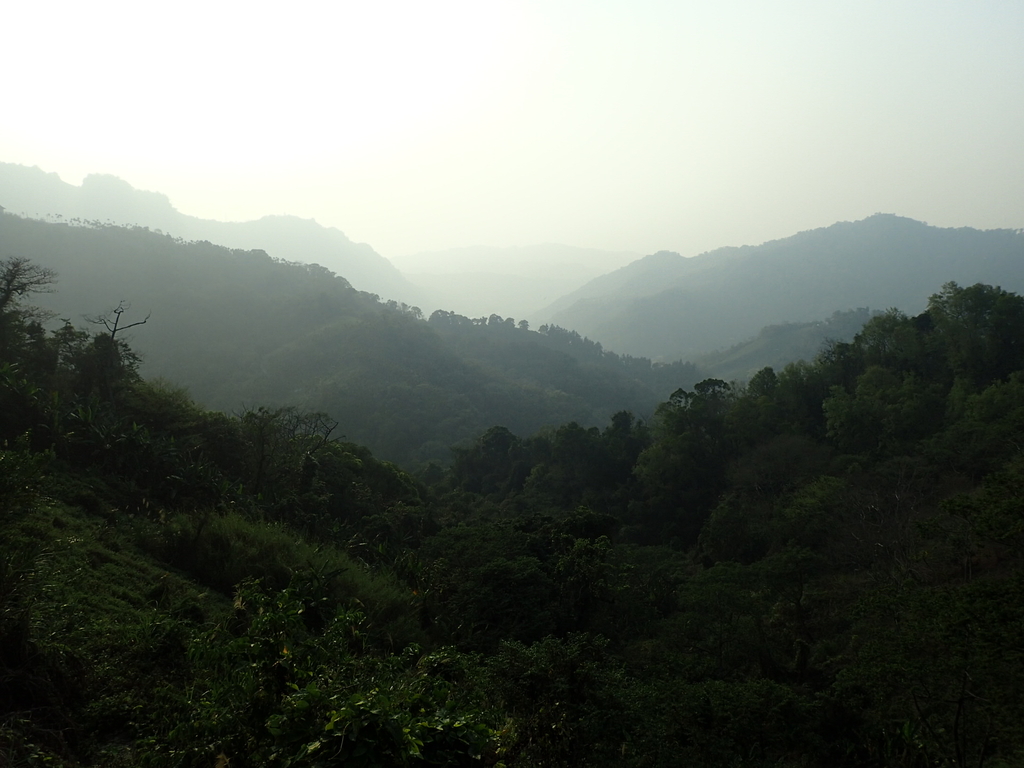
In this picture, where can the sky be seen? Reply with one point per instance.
(639, 126)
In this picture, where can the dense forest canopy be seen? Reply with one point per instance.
(820, 567)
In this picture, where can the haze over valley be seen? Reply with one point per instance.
(412, 367)
(517, 282)
(662, 306)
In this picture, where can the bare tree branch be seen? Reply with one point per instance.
(19, 276)
(114, 326)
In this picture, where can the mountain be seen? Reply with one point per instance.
(239, 329)
(103, 198)
(480, 280)
(665, 306)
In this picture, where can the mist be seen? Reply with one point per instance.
(624, 128)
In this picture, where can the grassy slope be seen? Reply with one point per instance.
(100, 609)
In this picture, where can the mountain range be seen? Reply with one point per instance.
(471, 281)
(107, 199)
(266, 319)
(664, 306)
(668, 307)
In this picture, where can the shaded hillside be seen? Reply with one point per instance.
(562, 360)
(665, 306)
(239, 328)
(633, 280)
(778, 345)
(103, 198)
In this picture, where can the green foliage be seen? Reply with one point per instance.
(222, 550)
(940, 660)
(885, 414)
(290, 686)
(822, 568)
(985, 427)
(750, 723)
(995, 512)
(683, 472)
(22, 476)
(566, 702)
(34, 695)
(980, 329)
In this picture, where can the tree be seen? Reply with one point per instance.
(112, 320)
(763, 383)
(291, 685)
(567, 701)
(683, 472)
(982, 330)
(884, 414)
(488, 467)
(18, 277)
(282, 447)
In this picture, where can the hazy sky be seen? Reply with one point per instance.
(637, 125)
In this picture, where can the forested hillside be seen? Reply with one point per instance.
(820, 568)
(669, 307)
(239, 328)
(777, 345)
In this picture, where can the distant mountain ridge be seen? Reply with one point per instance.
(665, 306)
(34, 193)
(632, 279)
(517, 281)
